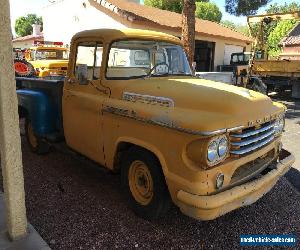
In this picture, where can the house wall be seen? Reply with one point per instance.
(137, 1)
(65, 18)
(219, 42)
(295, 49)
(23, 44)
(220, 47)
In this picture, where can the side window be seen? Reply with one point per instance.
(88, 62)
(235, 58)
(159, 57)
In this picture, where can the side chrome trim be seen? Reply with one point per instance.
(235, 128)
(254, 147)
(216, 132)
(133, 115)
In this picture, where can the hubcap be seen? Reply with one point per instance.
(140, 182)
(32, 138)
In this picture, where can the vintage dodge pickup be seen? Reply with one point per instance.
(130, 103)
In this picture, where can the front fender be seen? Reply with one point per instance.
(39, 110)
(146, 145)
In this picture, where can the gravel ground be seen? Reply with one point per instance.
(75, 205)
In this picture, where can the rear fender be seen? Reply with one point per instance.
(39, 110)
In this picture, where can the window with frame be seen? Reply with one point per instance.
(130, 59)
(88, 61)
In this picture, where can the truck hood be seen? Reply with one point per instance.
(200, 104)
(50, 63)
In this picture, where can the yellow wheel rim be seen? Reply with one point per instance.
(140, 182)
(32, 138)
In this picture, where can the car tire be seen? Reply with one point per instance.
(36, 143)
(23, 68)
(144, 184)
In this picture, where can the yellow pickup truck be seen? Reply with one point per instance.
(48, 58)
(131, 103)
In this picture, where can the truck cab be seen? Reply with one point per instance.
(48, 58)
(130, 102)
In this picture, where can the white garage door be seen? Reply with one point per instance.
(229, 49)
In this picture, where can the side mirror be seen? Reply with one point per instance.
(82, 73)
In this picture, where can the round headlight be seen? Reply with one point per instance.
(212, 151)
(279, 126)
(217, 149)
(223, 147)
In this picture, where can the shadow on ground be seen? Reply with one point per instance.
(74, 204)
(292, 104)
(293, 175)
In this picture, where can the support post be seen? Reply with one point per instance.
(10, 142)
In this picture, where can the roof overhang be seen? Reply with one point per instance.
(136, 19)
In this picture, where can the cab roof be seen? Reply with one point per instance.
(109, 35)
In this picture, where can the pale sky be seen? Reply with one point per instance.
(22, 7)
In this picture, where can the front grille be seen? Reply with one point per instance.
(250, 139)
(252, 168)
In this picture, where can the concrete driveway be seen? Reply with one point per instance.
(291, 137)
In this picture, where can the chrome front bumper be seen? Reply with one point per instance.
(212, 206)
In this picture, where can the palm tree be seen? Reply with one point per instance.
(188, 28)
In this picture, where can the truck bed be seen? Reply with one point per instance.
(53, 89)
(282, 68)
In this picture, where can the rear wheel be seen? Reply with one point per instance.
(144, 184)
(36, 143)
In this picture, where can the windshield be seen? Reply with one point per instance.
(134, 58)
(49, 54)
(240, 58)
(247, 57)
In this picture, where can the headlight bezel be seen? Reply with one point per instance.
(219, 156)
(279, 125)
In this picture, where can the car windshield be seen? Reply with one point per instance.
(240, 58)
(247, 57)
(49, 54)
(137, 58)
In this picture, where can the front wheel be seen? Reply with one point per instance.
(37, 145)
(144, 184)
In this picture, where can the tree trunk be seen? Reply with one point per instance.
(188, 28)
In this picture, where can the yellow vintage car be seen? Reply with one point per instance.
(48, 58)
(130, 103)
